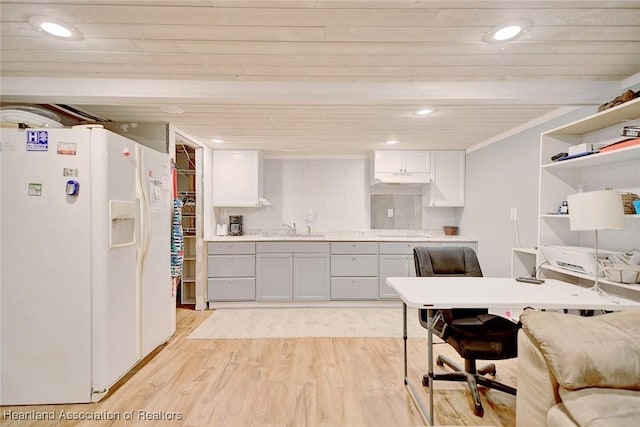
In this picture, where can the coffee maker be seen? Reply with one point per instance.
(235, 225)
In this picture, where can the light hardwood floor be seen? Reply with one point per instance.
(280, 382)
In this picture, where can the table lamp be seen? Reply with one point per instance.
(596, 210)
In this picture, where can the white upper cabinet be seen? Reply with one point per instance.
(447, 179)
(400, 167)
(236, 178)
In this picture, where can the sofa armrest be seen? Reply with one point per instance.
(537, 387)
(582, 352)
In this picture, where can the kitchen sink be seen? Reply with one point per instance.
(292, 236)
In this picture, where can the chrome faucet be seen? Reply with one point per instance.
(291, 229)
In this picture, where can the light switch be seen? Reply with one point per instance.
(389, 213)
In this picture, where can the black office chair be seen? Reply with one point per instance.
(473, 333)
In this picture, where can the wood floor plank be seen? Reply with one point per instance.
(282, 382)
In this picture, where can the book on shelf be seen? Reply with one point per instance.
(621, 144)
(632, 131)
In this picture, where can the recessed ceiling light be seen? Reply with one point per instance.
(425, 111)
(508, 31)
(55, 28)
(217, 140)
(391, 141)
(172, 109)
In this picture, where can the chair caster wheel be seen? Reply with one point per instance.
(425, 381)
(439, 362)
(479, 412)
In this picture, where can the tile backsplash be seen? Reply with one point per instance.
(396, 211)
(329, 194)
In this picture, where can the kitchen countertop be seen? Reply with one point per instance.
(345, 236)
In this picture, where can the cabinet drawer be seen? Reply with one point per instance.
(403, 248)
(231, 266)
(354, 265)
(223, 248)
(232, 289)
(354, 288)
(354, 247)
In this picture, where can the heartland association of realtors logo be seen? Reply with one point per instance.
(37, 140)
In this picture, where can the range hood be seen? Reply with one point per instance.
(401, 178)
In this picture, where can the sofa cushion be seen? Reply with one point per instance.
(558, 416)
(602, 407)
(599, 351)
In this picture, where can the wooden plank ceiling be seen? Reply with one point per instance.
(321, 77)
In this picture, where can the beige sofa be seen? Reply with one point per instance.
(578, 371)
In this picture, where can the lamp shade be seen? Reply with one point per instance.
(596, 210)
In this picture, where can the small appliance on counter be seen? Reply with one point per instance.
(222, 230)
(235, 225)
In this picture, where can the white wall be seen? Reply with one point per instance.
(500, 176)
(336, 190)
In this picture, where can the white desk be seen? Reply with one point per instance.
(486, 292)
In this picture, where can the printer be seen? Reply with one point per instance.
(576, 258)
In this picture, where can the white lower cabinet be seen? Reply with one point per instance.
(231, 271)
(311, 277)
(354, 270)
(394, 266)
(274, 276)
(396, 260)
(288, 271)
(310, 271)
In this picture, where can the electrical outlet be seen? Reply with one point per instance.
(389, 213)
(514, 214)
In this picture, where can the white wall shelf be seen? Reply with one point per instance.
(523, 261)
(617, 169)
(186, 167)
(601, 280)
(620, 155)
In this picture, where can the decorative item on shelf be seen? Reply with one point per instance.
(628, 204)
(189, 207)
(450, 230)
(636, 206)
(621, 269)
(559, 156)
(564, 208)
(623, 143)
(631, 131)
(626, 96)
(595, 211)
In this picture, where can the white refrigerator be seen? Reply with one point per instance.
(85, 290)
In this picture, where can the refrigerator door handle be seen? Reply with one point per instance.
(145, 212)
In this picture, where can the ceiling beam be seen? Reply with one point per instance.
(137, 91)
